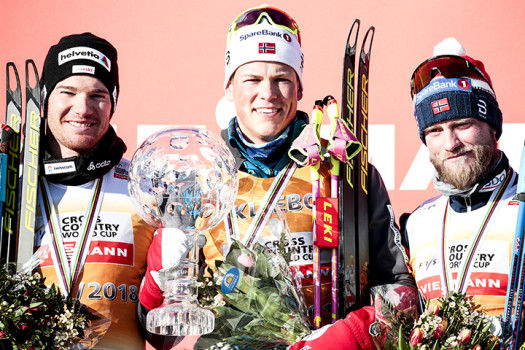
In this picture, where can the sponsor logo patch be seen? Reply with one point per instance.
(84, 53)
(92, 166)
(442, 85)
(80, 69)
(495, 182)
(60, 168)
(121, 173)
(231, 278)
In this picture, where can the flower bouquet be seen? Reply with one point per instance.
(34, 316)
(452, 322)
(256, 301)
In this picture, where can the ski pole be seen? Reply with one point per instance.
(306, 151)
(317, 118)
(343, 146)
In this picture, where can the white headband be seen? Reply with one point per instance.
(263, 42)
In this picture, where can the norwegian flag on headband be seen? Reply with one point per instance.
(440, 106)
(267, 48)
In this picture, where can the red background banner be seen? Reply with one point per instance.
(171, 58)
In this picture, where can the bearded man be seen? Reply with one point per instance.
(462, 240)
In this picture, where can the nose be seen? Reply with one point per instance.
(267, 89)
(81, 105)
(451, 140)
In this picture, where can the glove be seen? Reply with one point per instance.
(352, 333)
(168, 248)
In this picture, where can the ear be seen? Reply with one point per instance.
(228, 92)
(493, 133)
(299, 94)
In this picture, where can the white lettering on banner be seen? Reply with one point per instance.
(382, 146)
(496, 284)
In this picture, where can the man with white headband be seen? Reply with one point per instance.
(468, 230)
(264, 78)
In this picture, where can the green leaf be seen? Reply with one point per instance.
(402, 343)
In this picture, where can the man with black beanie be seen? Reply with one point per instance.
(98, 254)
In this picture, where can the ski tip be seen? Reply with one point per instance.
(31, 64)
(353, 33)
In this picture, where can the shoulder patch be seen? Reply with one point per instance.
(122, 169)
(429, 203)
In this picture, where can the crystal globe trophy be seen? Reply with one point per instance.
(183, 177)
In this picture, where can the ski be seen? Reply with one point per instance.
(347, 216)
(361, 124)
(353, 199)
(9, 225)
(30, 173)
(513, 316)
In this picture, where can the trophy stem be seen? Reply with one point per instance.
(180, 314)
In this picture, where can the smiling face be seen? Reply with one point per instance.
(461, 150)
(265, 96)
(78, 115)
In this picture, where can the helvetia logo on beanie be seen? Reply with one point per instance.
(84, 53)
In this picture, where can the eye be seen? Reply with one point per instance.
(464, 125)
(100, 96)
(432, 131)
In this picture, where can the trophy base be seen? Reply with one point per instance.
(180, 319)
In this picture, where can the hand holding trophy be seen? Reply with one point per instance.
(183, 180)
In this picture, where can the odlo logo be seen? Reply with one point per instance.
(92, 166)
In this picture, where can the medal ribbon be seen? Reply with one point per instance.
(465, 270)
(68, 272)
(265, 210)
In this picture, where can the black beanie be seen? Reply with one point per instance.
(85, 54)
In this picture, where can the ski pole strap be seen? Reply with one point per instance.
(465, 267)
(343, 145)
(67, 269)
(263, 213)
(306, 148)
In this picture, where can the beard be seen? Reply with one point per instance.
(461, 175)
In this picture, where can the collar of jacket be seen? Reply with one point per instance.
(483, 190)
(87, 167)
